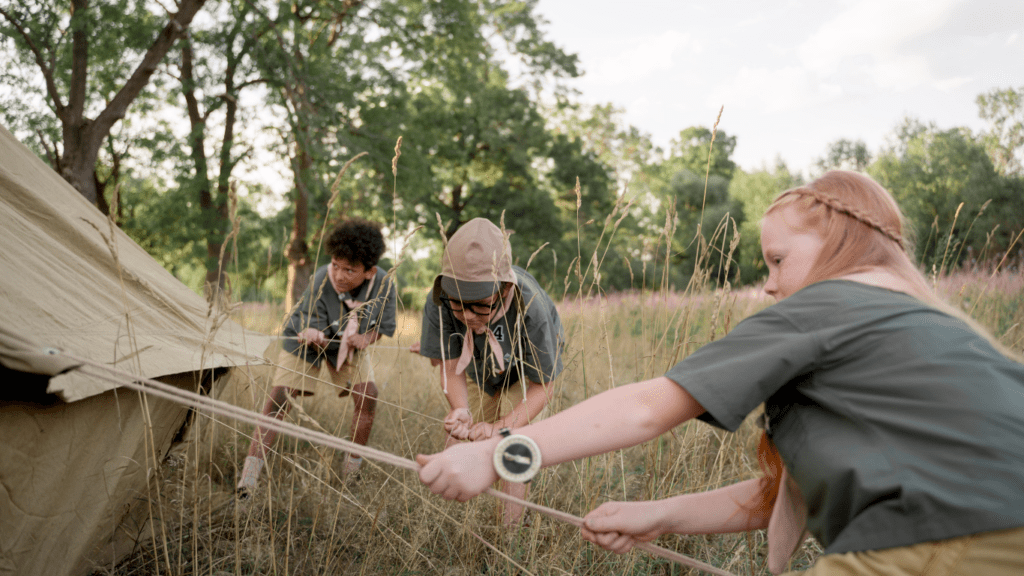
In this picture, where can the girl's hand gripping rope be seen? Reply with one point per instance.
(619, 526)
(460, 472)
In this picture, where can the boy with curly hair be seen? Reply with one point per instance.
(349, 305)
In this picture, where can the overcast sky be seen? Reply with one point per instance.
(793, 75)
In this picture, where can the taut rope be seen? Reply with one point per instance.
(200, 402)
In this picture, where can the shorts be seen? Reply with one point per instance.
(305, 379)
(488, 409)
(997, 553)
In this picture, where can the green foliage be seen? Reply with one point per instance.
(956, 203)
(755, 191)
(1004, 110)
(845, 154)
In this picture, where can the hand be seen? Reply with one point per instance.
(458, 423)
(415, 349)
(482, 431)
(618, 526)
(359, 341)
(460, 472)
(313, 337)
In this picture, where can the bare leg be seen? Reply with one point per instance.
(364, 397)
(262, 439)
(364, 400)
(513, 513)
(277, 406)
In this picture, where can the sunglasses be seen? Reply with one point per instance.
(478, 308)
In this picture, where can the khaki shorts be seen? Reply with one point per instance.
(998, 553)
(306, 379)
(488, 409)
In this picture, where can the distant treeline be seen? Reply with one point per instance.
(178, 124)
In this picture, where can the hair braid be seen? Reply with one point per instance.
(859, 215)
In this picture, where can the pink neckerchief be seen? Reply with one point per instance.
(467, 344)
(345, 351)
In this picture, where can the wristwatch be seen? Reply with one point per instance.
(516, 457)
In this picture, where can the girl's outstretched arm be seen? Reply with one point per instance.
(619, 418)
(618, 526)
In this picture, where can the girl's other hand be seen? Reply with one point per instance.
(618, 526)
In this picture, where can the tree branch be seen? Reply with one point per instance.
(118, 105)
(51, 86)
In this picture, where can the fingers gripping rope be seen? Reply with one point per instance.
(200, 402)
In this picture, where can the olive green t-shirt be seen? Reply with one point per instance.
(899, 423)
(530, 335)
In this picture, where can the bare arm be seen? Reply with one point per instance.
(537, 396)
(621, 417)
(459, 419)
(618, 526)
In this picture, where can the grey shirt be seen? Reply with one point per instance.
(321, 308)
(533, 344)
(899, 423)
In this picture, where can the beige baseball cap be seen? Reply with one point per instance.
(476, 261)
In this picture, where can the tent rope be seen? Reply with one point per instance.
(200, 402)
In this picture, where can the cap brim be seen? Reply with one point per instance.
(464, 290)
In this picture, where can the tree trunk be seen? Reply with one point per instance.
(84, 137)
(300, 267)
(213, 219)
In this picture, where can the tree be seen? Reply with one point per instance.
(845, 154)
(691, 150)
(755, 191)
(205, 93)
(689, 200)
(931, 172)
(89, 75)
(1004, 109)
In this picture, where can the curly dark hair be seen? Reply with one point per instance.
(357, 240)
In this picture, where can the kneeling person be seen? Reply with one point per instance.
(349, 305)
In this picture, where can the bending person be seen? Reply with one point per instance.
(893, 423)
(349, 305)
(490, 322)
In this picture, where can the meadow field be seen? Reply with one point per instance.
(307, 520)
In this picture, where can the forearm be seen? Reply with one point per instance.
(454, 385)
(537, 396)
(715, 512)
(619, 418)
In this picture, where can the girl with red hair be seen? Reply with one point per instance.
(893, 423)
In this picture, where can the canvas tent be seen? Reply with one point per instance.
(77, 453)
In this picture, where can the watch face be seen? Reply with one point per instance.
(517, 458)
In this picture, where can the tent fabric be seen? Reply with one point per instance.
(76, 479)
(77, 466)
(73, 282)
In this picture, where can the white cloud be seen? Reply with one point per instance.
(869, 41)
(950, 84)
(647, 57)
(773, 90)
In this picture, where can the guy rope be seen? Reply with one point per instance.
(218, 407)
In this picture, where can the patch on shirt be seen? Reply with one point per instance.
(499, 332)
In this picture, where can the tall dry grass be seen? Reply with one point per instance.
(307, 520)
